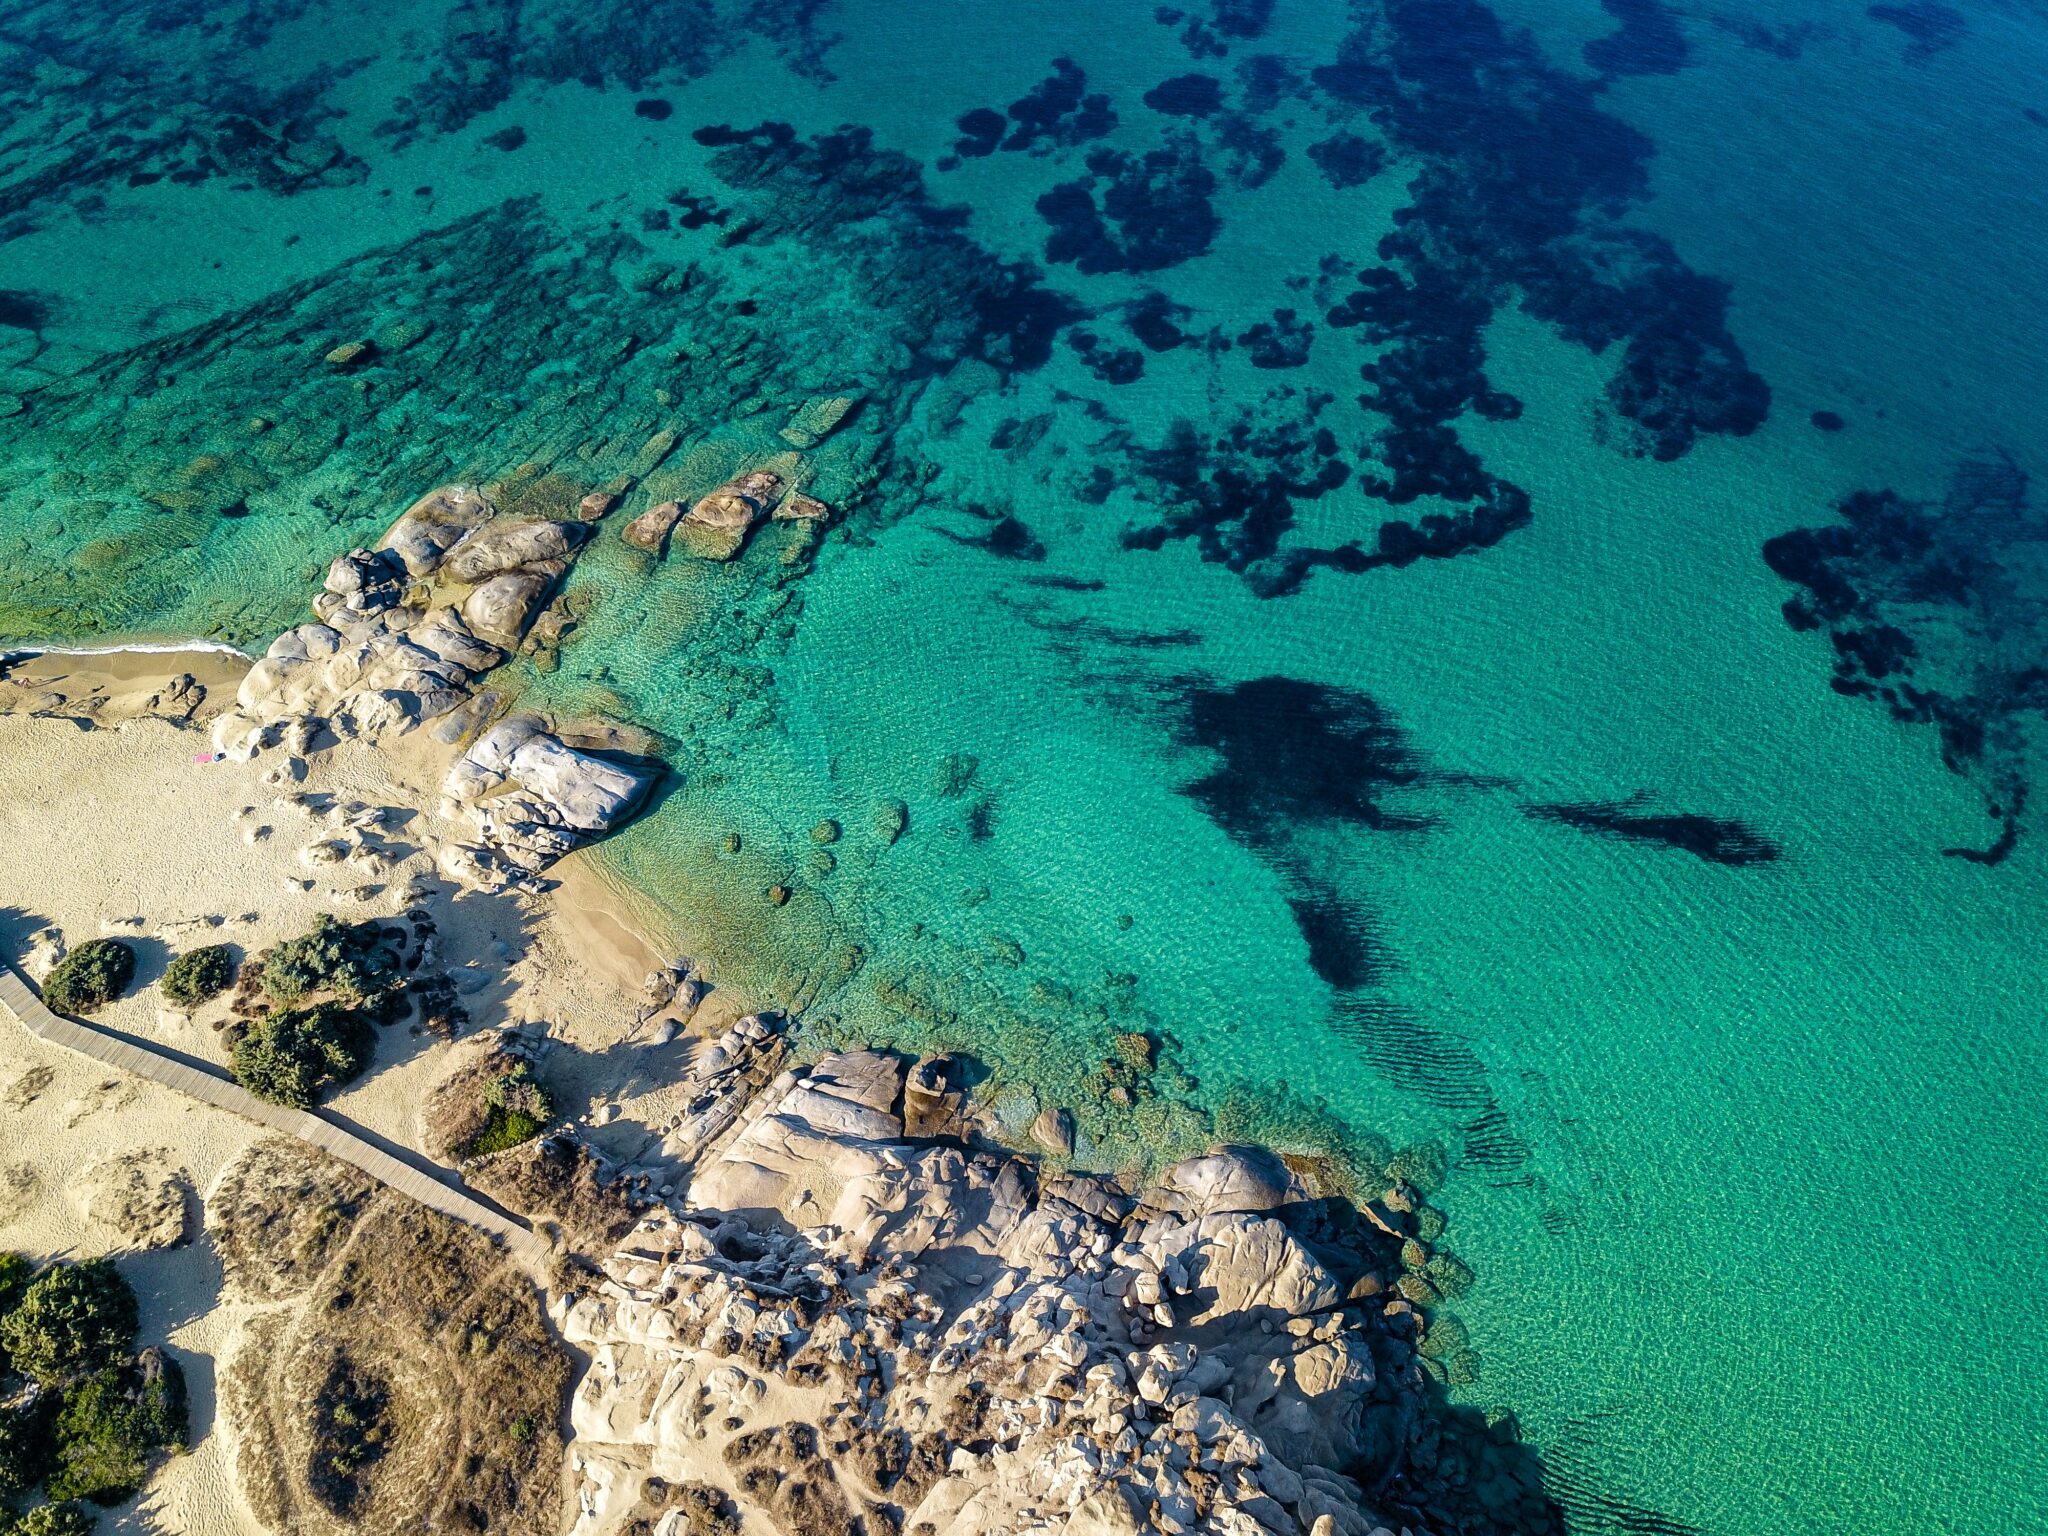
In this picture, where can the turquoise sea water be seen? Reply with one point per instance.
(1559, 852)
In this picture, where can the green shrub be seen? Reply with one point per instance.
(90, 977)
(517, 1109)
(53, 1520)
(25, 1442)
(110, 1426)
(503, 1131)
(346, 959)
(73, 1320)
(15, 1274)
(199, 974)
(290, 1056)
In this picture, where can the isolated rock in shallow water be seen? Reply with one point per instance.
(799, 508)
(507, 546)
(500, 608)
(434, 524)
(1054, 1131)
(650, 530)
(718, 524)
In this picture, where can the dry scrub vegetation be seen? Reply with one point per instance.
(405, 1378)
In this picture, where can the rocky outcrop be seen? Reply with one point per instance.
(435, 524)
(500, 547)
(401, 634)
(843, 1330)
(403, 629)
(500, 608)
(651, 529)
(717, 525)
(532, 798)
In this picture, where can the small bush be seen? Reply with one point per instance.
(516, 1110)
(73, 1320)
(289, 1057)
(199, 974)
(111, 1425)
(346, 959)
(53, 1520)
(90, 977)
(506, 1129)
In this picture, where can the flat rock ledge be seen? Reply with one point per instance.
(838, 1330)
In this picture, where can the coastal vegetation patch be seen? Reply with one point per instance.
(490, 1102)
(403, 1374)
(199, 975)
(84, 1415)
(307, 1019)
(90, 976)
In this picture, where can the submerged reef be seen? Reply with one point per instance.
(1519, 187)
(1926, 607)
(1717, 839)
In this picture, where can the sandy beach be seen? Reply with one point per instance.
(118, 820)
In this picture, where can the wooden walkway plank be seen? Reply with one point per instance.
(212, 1088)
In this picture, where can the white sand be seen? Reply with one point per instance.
(116, 830)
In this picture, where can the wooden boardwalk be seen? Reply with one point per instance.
(202, 1082)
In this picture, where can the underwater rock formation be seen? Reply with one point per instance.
(1717, 839)
(1926, 609)
(717, 525)
(1133, 213)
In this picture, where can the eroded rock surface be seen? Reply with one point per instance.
(400, 635)
(532, 798)
(846, 1331)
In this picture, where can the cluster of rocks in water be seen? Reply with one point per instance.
(862, 1318)
(401, 632)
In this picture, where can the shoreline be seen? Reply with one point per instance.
(11, 652)
(1107, 1306)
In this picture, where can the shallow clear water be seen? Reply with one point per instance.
(1740, 1082)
